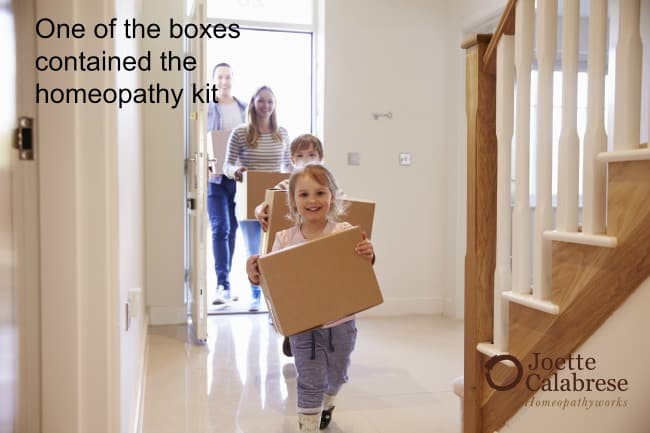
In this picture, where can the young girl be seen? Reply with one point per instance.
(322, 356)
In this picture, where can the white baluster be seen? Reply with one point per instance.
(546, 53)
(627, 99)
(504, 128)
(569, 146)
(594, 180)
(521, 265)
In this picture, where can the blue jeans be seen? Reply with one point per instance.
(252, 231)
(221, 210)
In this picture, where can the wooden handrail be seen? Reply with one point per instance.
(506, 27)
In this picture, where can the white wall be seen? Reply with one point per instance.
(131, 233)
(91, 238)
(465, 18)
(383, 56)
(620, 350)
(164, 180)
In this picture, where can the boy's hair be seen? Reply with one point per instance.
(322, 176)
(306, 141)
(253, 133)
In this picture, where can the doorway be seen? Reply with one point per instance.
(279, 54)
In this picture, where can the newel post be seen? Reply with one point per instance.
(480, 258)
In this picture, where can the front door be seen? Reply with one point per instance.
(197, 178)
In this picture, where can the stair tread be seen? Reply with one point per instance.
(528, 300)
(490, 349)
(625, 155)
(581, 238)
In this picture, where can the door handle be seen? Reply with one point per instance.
(24, 141)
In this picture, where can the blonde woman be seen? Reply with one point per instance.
(260, 144)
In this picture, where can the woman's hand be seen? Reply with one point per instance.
(253, 270)
(262, 215)
(364, 248)
(239, 174)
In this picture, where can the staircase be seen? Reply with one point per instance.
(580, 274)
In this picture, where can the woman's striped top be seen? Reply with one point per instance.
(269, 155)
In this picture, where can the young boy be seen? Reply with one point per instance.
(304, 149)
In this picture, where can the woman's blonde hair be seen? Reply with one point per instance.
(322, 176)
(253, 129)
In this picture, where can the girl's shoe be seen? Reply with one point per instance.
(328, 408)
(326, 417)
(308, 423)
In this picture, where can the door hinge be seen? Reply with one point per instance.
(24, 141)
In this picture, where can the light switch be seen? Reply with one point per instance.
(354, 158)
(405, 158)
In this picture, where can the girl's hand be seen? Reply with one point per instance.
(253, 270)
(262, 215)
(364, 248)
(239, 174)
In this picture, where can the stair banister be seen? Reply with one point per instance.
(594, 185)
(546, 53)
(521, 254)
(569, 145)
(627, 96)
(504, 127)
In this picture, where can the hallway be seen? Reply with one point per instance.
(400, 378)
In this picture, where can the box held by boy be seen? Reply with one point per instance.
(251, 191)
(358, 212)
(317, 282)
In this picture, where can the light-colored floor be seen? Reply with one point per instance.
(400, 378)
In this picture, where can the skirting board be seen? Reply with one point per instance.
(390, 307)
(405, 306)
(167, 315)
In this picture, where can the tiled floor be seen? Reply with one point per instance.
(400, 378)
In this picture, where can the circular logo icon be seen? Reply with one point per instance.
(495, 360)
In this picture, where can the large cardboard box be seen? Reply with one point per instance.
(317, 282)
(358, 213)
(250, 192)
(219, 143)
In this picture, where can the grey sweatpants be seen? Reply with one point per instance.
(322, 358)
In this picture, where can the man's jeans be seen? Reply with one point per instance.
(221, 209)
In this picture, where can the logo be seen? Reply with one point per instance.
(542, 374)
(494, 361)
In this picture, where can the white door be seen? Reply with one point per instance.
(8, 325)
(197, 178)
(20, 407)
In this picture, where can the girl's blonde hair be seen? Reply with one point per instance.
(322, 176)
(253, 129)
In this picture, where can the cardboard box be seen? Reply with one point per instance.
(219, 143)
(358, 213)
(250, 192)
(317, 282)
